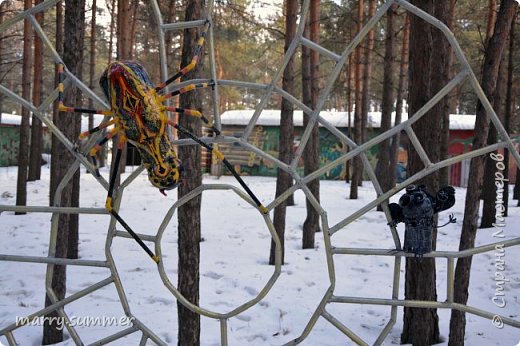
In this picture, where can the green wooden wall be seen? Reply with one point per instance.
(266, 138)
(9, 144)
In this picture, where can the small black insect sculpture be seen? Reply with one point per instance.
(416, 209)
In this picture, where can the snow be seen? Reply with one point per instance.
(234, 267)
(271, 117)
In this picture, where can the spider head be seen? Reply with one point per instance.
(166, 177)
(161, 162)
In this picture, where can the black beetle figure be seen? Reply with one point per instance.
(416, 209)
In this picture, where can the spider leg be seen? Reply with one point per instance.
(191, 65)
(221, 157)
(63, 108)
(188, 88)
(108, 204)
(99, 146)
(96, 148)
(100, 127)
(193, 113)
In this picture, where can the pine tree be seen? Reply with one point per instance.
(492, 58)
(23, 151)
(189, 213)
(311, 153)
(429, 72)
(35, 158)
(357, 166)
(401, 87)
(387, 107)
(62, 160)
(284, 179)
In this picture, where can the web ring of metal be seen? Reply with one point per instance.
(164, 276)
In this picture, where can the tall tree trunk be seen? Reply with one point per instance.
(311, 153)
(92, 73)
(59, 280)
(357, 166)
(284, 179)
(306, 69)
(62, 160)
(189, 213)
(455, 93)
(123, 30)
(429, 71)
(516, 189)
(492, 18)
(172, 63)
(92, 61)
(111, 5)
(3, 8)
(169, 35)
(489, 192)
(492, 59)
(55, 114)
(508, 112)
(35, 159)
(445, 11)
(401, 88)
(112, 29)
(367, 74)
(76, 99)
(220, 75)
(123, 53)
(349, 112)
(170, 40)
(134, 6)
(383, 155)
(23, 150)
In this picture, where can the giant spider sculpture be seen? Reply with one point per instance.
(140, 117)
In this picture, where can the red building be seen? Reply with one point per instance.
(461, 139)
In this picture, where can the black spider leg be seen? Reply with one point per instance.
(221, 157)
(191, 112)
(97, 147)
(192, 64)
(451, 220)
(108, 204)
(63, 108)
(93, 152)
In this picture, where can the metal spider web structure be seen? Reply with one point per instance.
(333, 253)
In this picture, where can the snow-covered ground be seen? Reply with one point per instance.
(234, 267)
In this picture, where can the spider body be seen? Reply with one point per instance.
(138, 110)
(139, 116)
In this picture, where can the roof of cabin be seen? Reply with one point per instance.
(270, 117)
(16, 119)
